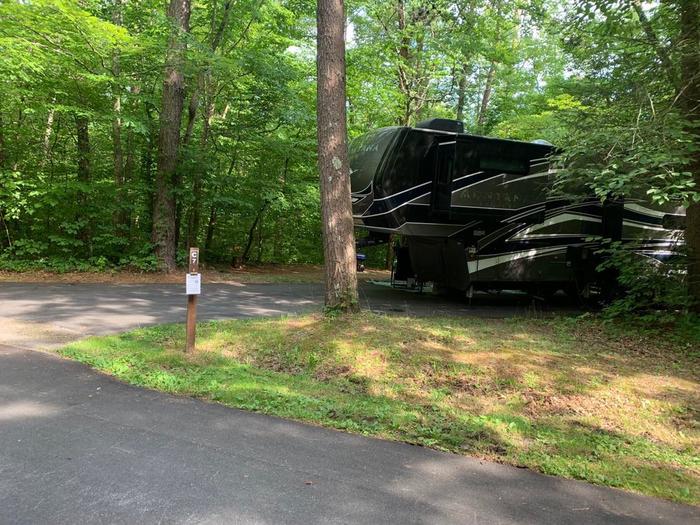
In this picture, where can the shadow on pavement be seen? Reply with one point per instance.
(80, 447)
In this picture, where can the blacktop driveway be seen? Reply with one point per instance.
(83, 309)
(79, 447)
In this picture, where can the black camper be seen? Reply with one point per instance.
(476, 212)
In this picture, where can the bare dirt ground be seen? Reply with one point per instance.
(269, 273)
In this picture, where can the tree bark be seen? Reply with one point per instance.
(169, 136)
(336, 207)
(690, 102)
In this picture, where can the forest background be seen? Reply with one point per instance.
(613, 83)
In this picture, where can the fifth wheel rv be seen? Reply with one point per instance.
(478, 213)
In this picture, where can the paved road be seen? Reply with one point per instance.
(98, 308)
(79, 447)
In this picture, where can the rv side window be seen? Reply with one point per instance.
(409, 166)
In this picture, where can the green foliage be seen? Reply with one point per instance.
(587, 76)
(649, 288)
(64, 60)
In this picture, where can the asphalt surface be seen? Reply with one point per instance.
(98, 308)
(79, 447)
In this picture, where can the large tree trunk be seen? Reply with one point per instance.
(169, 136)
(83, 146)
(336, 206)
(690, 101)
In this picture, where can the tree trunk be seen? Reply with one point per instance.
(120, 216)
(83, 146)
(258, 258)
(169, 136)
(336, 206)
(653, 39)
(117, 144)
(211, 225)
(486, 97)
(3, 155)
(461, 91)
(404, 57)
(279, 223)
(200, 168)
(389, 258)
(147, 165)
(46, 146)
(690, 101)
(205, 84)
(251, 233)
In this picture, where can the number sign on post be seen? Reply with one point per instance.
(193, 287)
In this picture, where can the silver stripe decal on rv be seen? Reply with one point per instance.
(393, 209)
(467, 175)
(529, 232)
(527, 177)
(475, 183)
(403, 191)
(489, 262)
(644, 210)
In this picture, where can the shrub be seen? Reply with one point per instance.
(647, 286)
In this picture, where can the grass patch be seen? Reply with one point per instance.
(576, 398)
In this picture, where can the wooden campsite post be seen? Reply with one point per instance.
(193, 289)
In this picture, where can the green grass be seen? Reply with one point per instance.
(574, 398)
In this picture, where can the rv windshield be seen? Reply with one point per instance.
(366, 153)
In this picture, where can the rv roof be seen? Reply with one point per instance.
(536, 143)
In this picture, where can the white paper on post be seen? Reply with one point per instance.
(193, 284)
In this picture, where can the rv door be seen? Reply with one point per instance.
(441, 196)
